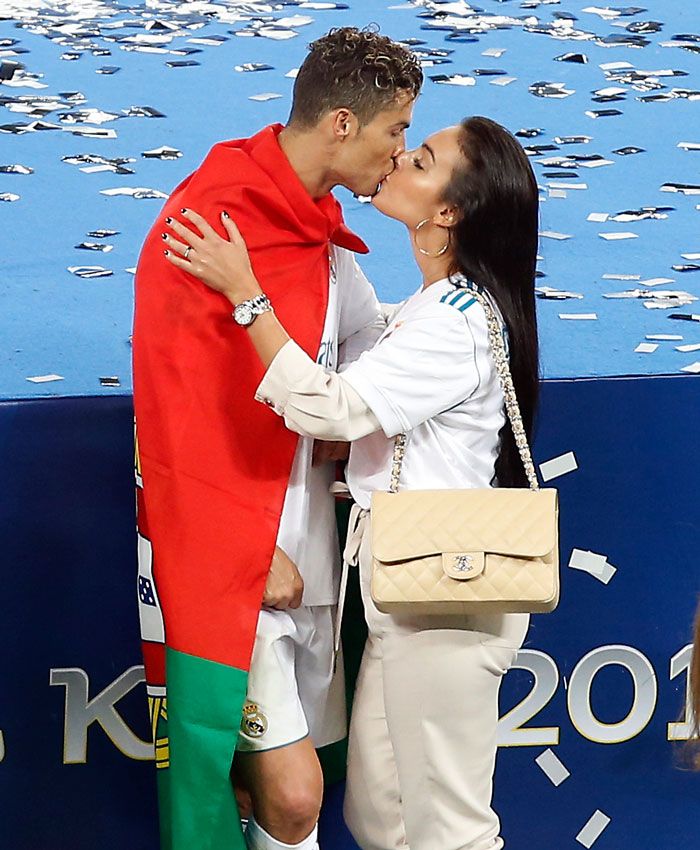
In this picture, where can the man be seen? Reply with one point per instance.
(232, 514)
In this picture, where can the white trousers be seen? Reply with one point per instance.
(422, 744)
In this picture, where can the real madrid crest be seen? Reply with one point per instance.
(253, 722)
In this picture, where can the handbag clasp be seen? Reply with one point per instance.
(463, 565)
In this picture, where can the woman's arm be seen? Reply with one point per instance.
(224, 265)
(312, 401)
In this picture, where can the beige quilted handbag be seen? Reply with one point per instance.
(467, 551)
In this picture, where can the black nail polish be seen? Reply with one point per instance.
(167, 253)
(226, 215)
(183, 210)
(168, 220)
(164, 235)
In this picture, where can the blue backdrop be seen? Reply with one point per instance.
(70, 628)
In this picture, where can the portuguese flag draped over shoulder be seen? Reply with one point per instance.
(212, 469)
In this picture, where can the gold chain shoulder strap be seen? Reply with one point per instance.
(515, 418)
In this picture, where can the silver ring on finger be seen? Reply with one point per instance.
(187, 252)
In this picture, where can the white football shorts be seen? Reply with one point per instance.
(296, 687)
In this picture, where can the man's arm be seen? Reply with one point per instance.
(285, 586)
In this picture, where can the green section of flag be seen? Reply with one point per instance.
(164, 809)
(198, 730)
(205, 701)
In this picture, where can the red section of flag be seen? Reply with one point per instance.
(214, 462)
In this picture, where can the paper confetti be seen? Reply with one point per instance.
(558, 466)
(552, 767)
(593, 829)
(45, 379)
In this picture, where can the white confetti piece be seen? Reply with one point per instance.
(294, 21)
(589, 562)
(556, 294)
(45, 379)
(694, 346)
(163, 152)
(550, 90)
(552, 767)
(593, 829)
(24, 83)
(680, 188)
(572, 317)
(689, 146)
(552, 234)
(205, 42)
(608, 573)
(8, 197)
(92, 132)
(88, 116)
(265, 96)
(611, 91)
(646, 348)
(604, 13)
(693, 369)
(16, 168)
(616, 237)
(89, 272)
(691, 256)
(679, 43)
(272, 33)
(503, 81)
(138, 192)
(656, 281)
(621, 277)
(495, 52)
(595, 163)
(456, 80)
(602, 113)
(599, 217)
(568, 186)
(558, 466)
(665, 337)
(600, 570)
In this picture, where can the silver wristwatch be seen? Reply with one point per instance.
(245, 313)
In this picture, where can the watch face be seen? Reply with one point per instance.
(243, 314)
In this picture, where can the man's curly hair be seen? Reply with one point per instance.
(360, 70)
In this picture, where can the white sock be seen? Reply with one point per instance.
(257, 839)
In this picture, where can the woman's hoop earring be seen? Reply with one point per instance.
(432, 254)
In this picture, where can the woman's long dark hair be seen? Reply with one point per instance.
(495, 246)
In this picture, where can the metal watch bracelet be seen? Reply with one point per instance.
(246, 312)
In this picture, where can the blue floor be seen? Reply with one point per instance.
(54, 322)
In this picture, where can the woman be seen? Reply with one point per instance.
(423, 731)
